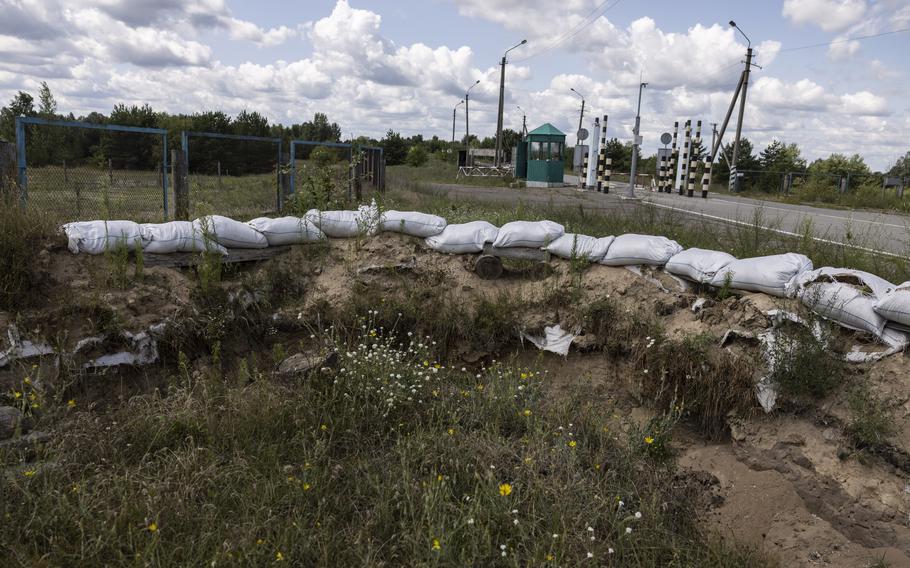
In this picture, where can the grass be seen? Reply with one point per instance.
(390, 459)
(804, 369)
(438, 171)
(871, 422)
(23, 233)
(819, 194)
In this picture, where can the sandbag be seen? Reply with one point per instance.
(287, 230)
(463, 238)
(698, 265)
(96, 237)
(346, 224)
(534, 234)
(176, 236)
(230, 233)
(412, 223)
(572, 245)
(876, 285)
(775, 274)
(894, 305)
(633, 249)
(845, 305)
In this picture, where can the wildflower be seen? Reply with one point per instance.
(29, 472)
(152, 527)
(555, 535)
(451, 431)
(628, 530)
(527, 412)
(610, 551)
(505, 489)
(279, 557)
(590, 555)
(17, 394)
(471, 521)
(324, 427)
(619, 503)
(637, 514)
(35, 405)
(572, 443)
(306, 486)
(645, 371)
(436, 545)
(590, 529)
(649, 440)
(549, 558)
(514, 521)
(27, 381)
(71, 403)
(75, 488)
(439, 477)
(524, 375)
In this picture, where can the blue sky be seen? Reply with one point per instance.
(373, 65)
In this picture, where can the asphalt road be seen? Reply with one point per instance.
(889, 233)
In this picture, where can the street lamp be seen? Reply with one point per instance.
(502, 89)
(453, 119)
(581, 118)
(467, 131)
(742, 99)
(630, 191)
(524, 122)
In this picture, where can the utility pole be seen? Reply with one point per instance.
(742, 100)
(630, 191)
(453, 119)
(524, 122)
(502, 90)
(713, 134)
(580, 117)
(467, 131)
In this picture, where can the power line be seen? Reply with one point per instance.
(598, 11)
(849, 39)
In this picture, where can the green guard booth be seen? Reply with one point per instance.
(545, 156)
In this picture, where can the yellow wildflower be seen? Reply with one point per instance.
(436, 545)
(505, 489)
(260, 541)
(279, 557)
(572, 443)
(549, 558)
(527, 412)
(324, 427)
(152, 527)
(437, 366)
(524, 375)
(71, 403)
(29, 472)
(27, 381)
(451, 431)
(649, 440)
(17, 394)
(306, 486)
(439, 477)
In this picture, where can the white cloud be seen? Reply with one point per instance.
(829, 15)
(863, 103)
(842, 50)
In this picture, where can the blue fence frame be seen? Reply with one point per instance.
(21, 121)
(185, 145)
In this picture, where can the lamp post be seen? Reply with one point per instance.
(524, 122)
(502, 89)
(467, 131)
(630, 191)
(742, 99)
(453, 119)
(581, 116)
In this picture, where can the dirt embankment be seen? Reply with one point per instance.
(790, 481)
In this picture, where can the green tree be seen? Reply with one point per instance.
(746, 160)
(901, 167)
(417, 156)
(840, 165)
(128, 150)
(394, 148)
(23, 104)
(620, 155)
(780, 157)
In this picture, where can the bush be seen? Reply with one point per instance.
(871, 423)
(322, 156)
(804, 367)
(417, 156)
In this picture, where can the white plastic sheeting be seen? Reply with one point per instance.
(774, 275)
(845, 305)
(698, 265)
(176, 236)
(230, 233)
(412, 223)
(572, 245)
(533, 234)
(287, 230)
(96, 237)
(632, 249)
(555, 339)
(894, 305)
(463, 238)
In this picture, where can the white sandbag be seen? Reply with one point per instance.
(845, 305)
(775, 274)
(698, 265)
(287, 230)
(876, 285)
(412, 223)
(230, 233)
(345, 224)
(463, 238)
(633, 249)
(572, 245)
(895, 305)
(176, 236)
(96, 237)
(534, 234)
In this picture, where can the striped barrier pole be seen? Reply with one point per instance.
(662, 173)
(584, 172)
(674, 155)
(693, 161)
(706, 177)
(603, 160)
(684, 163)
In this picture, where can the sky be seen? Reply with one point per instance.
(375, 65)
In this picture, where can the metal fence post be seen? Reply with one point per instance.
(292, 161)
(285, 179)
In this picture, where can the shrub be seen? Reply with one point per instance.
(803, 366)
(871, 423)
(417, 156)
(322, 156)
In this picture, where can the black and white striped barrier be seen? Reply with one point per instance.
(693, 161)
(674, 156)
(603, 162)
(684, 164)
(583, 178)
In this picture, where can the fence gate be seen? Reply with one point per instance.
(80, 170)
(364, 163)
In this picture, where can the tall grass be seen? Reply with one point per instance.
(23, 232)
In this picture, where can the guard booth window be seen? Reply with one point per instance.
(536, 151)
(556, 151)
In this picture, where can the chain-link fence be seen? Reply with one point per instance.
(232, 175)
(72, 170)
